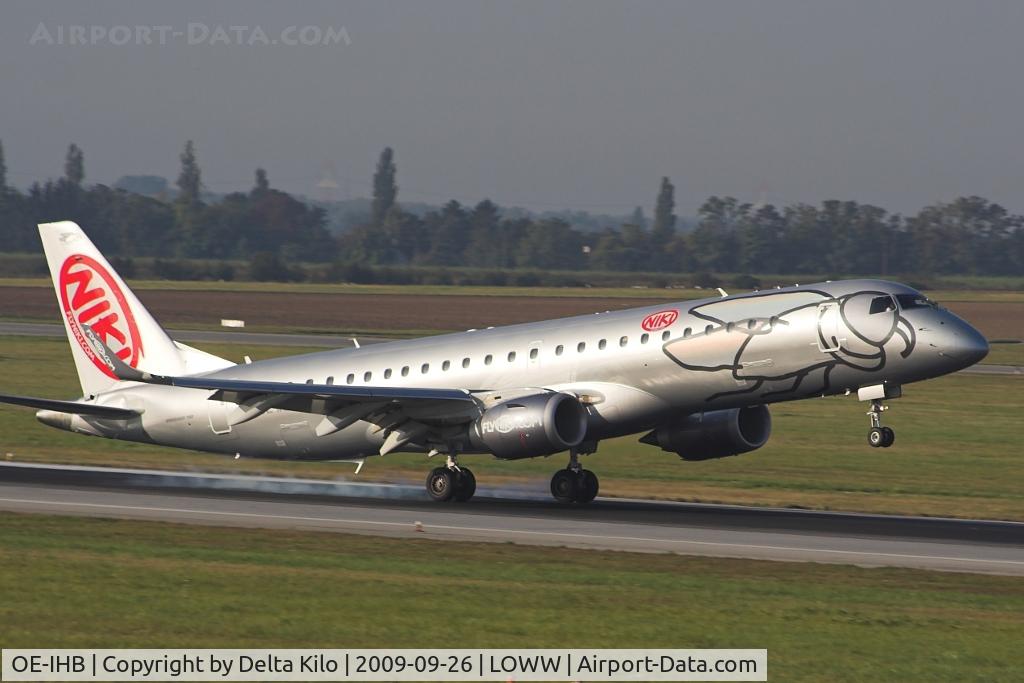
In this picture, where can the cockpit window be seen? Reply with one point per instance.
(908, 301)
(881, 304)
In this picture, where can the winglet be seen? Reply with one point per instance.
(121, 370)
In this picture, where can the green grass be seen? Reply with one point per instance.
(957, 451)
(105, 583)
(1005, 354)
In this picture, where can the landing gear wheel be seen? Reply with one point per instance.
(441, 484)
(888, 437)
(465, 485)
(876, 437)
(564, 486)
(586, 486)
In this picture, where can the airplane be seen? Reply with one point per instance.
(694, 378)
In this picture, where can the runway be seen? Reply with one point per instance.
(517, 516)
(327, 341)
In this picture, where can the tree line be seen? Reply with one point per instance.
(272, 229)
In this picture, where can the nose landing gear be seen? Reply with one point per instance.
(574, 484)
(879, 436)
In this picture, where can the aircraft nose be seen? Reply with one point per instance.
(966, 345)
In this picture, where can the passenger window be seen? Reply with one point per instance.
(687, 332)
(445, 365)
(351, 378)
(425, 368)
(882, 304)
(405, 371)
(580, 347)
(623, 341)
(367, 376)
(559, 349)
(387, 374)
(511, 356)
(330, 380)
(533, 354)
(751, 324)
(707, 330)
(465, 362)
(664, 335)
(644, 338)
(601, 344)
(487, 359)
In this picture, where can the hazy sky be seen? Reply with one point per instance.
(540, 104)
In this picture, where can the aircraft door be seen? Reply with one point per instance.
(828, 327)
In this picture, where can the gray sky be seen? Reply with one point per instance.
(540, 104)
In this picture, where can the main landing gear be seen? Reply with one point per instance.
(451, 482)
(879, 436)
(574, 484)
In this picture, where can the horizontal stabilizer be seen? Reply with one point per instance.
(70, 407)
(325, 391)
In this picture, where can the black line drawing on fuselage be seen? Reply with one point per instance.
(778, 354)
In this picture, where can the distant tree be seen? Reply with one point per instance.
(74, 166)
(486, 239)
(385, 191)
(967, 235)
(262, 184)
(3, 170)
(195, 238)
(147, 185)
(713, 242)
(190, 182)
(638, 218)
(268, 266)
(664, 227)
(449, 232)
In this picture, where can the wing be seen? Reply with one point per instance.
(70, 407)
(407, 414)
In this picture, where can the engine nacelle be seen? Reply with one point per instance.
(525, 427)
(714, 434)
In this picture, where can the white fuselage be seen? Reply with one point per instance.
(717, 353)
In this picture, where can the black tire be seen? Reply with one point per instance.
(441, 484)
(564, 486)
(587, 487)
(889, 437)
(465, 485)
(876, 437)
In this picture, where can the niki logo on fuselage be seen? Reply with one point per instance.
(783, 342)
(660, 320)
(89, 295)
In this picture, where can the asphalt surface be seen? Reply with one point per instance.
(517, 516)
(325, 341)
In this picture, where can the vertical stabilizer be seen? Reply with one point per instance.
(90, 292)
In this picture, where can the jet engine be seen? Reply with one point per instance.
(714, 434)
(528, 426)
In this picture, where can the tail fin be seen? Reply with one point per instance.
(90, 292)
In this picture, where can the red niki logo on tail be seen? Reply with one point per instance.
(90, 296)
(660, 320)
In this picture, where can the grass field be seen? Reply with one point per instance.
(105, 583)
(957, 451)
